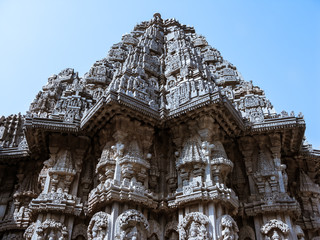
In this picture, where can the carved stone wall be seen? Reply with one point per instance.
(161, 139)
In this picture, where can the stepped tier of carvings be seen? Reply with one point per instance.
(162, 139)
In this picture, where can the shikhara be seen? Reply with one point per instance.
(162, 139)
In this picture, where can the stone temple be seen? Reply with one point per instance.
(162, 139)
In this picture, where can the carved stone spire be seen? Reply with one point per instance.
(157, 141)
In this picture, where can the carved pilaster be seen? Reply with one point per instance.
(61, 175)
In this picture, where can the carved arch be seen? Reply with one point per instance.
(79, 230)
(99, 226)
(154, 229)
(171, 228)
(276, 228)
(51, 228)
(194, 226)
(131, 223)
(227, 227)
(246, 232)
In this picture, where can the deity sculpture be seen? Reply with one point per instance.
(98, 226)
(194, 227)
(228, 227)
(162, 139)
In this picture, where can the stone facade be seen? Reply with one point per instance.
(162, 139)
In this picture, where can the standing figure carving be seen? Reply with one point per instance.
(194, 227)
(228, 229)
(131, 224)
(275, 230)
(52, 230)
(98, 226)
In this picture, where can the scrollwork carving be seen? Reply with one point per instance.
(29, 231)
(275, 230)
(227, 228)
(99, 226)
(194, 227)
(51, 229)
(131, 224)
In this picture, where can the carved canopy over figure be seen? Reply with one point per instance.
(106, 165)
(29, 231)
(51, 230)
(228, 229)
(246, 233)
(171, 231)
(131, 225)
(166, 125)
(80, 230)
(275, 230)
(98, 226)
(194, 227)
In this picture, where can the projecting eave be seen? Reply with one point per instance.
(215, 105)
(310, 154)
(291, 129)
(51, 124)
(278, 124)
(116, 103)
(13, 155)
(37, 130)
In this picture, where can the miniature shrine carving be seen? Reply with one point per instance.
(162, 139)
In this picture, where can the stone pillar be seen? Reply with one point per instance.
(62, 171)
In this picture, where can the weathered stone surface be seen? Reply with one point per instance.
(161, 139)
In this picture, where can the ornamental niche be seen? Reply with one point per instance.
(99, 226)
(162, 139)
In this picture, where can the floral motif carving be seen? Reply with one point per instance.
(131, 224)
(99, 226)
(51, 229)
(167, 126)
(227, 228)
(194, 227)
(29, 231)
(275, 230)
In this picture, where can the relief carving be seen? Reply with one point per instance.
(173, 130)
(275, 230)
(51, 230)
(98, 227)
(227, 228)
(80, 230)
(171, 231)
(194, 227)
(131, 224)
(246, 233)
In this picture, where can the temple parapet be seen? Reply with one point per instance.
(161, 139)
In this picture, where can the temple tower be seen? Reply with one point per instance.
(162, 139)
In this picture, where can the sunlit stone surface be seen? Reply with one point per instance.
(162, 139)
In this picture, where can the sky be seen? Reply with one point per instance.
(276, 44)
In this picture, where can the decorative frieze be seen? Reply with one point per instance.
(161, 139)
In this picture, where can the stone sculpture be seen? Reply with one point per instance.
(275, 230)
(131, 225)
(161, 139)
(228, 228)
(194, 227)
(98, 226)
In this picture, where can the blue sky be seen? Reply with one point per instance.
(276, 44)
